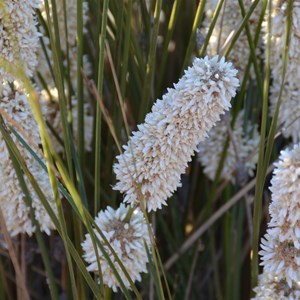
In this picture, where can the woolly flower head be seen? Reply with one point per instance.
(158, 153)
(226, 23)
(280, 258)
(280, 254)
(19, 39)
(284, 209)
(289, 113)
(128, 240)
(271, 287)
(244, 140)
(13, 103)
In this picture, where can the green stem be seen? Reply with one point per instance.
(148, 80)
(102, 38)
(198, 17)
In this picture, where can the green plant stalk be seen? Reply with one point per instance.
(126, 48)
(198, 17)
(241, 27)
(153, 273)
(18, 72)
(65, 193)
(260, 177)
(163, 274)
(252, 52)
(134, 46)
(146, 19)
(124, 70)
(59, 78)
(61, 217)
(213, 192)
(155, 255)
(272, 132)
(41, 163)
(119, 24)
(147, 94)
(88, 222)
(270, 142)
(102, 38)
(80, 104)
(53, 217)
(171, 26)
(215, 266)
(45, 28)
(247, 70)
(79, 161)
(211, 28)
(68, 75)
(42, 246)
(238, 257)
(119, 11)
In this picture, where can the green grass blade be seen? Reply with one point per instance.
(102, 38)
(192, 41)
(147, 93)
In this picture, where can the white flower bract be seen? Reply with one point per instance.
(128, 240)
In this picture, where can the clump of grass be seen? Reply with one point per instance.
(86, 81)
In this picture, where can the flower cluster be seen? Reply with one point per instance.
(230, 16)
(154, 159)
(241, 152)
(19, 38)
(128, 240)
(280, 246)
(289, 113)
(13, 102)
(157, 154)
(272, 288)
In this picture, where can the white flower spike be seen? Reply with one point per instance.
(158, 153)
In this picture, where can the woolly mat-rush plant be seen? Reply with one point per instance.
(137, 143)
